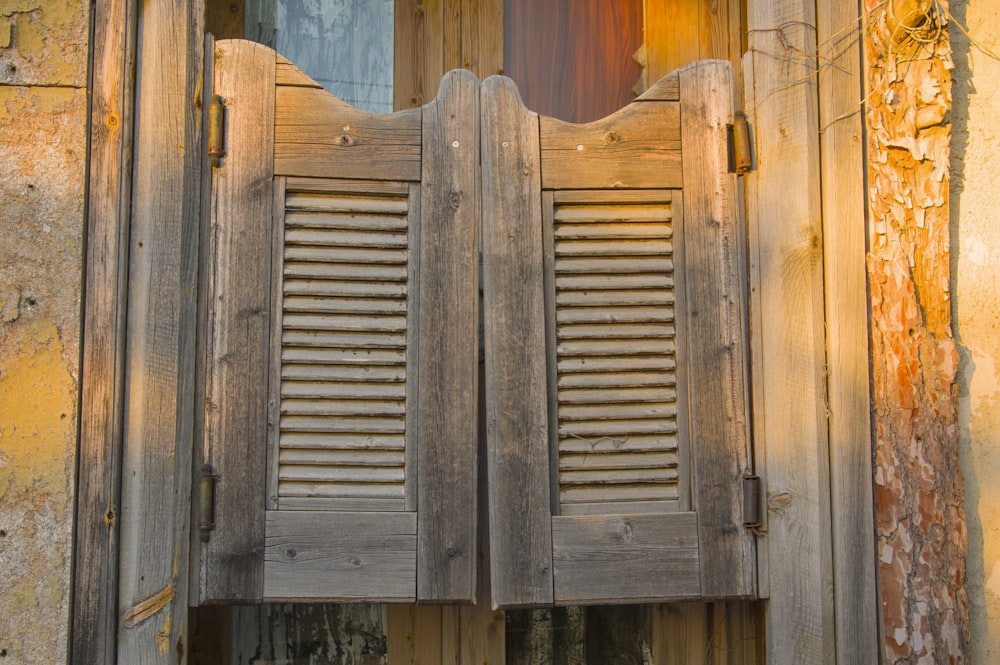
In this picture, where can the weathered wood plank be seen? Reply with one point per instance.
(95, 614)
(317, 135)
(517, 410)
(637, 147)
(418, 52)
(340, 556)
(447, 349)
(844, 245)
(601, 559)
(715, 272)
(237, 285)
(789, 367)
(162, 308)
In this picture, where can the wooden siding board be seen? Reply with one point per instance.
(789, 404)
(339, 556)
(604, 558)
(237, 285)
(513, 301)
(844, 244)
(447, 348)
(717, 369)
(102, 374)
(162, 308)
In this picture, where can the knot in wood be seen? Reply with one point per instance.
(344, 139)
(625, 531)
(452, 552)
(612, 138)
(291, 554)
(455, 198)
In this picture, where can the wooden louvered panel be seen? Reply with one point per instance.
(344, 339)
(616, 387)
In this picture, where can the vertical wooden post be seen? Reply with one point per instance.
(159, 384)
(786, 283)
(95, 576)
(844, 247)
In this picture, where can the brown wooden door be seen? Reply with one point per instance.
(341, 345)
(340, 342)
(614, 303)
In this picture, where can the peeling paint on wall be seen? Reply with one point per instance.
(43, 55)
(920, 517)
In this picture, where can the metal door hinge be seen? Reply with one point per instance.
(751, 501)
(216, 130)
(740, 149)
(206, 501)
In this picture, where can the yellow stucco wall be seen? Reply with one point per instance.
(976, 242)
(43, 61)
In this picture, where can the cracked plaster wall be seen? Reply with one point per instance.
(43, 118)
(976, 272)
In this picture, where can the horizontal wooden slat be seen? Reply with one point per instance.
(658, 506)
(337, 237)
(616, 348)
(340, 556)
(620, 430)
(349, 340)
(342, 425)
(345, 407)
(345, 323)
(342, 475)
(565, 197)
(613, 248)
(614, 265)
(617, 459)
(606, 314)
(572, 412)
(614, 493)
(342, 441)
(347, 490)
(347, 356)
(302, 372)
(631, 444)
(334, 305)
(616, 394)
(599, 282)
(345, 504)
(341, 456)
(603, 214)
(342, 390)
(347, 271)
(636, 556)
(348, 221)
(618, 476)
(294, 185)
(614, 364)
(603, 381)
(330, 287)
(641, 332)
(598, 229)
(336, 255)
(614, 298)
(347, 203)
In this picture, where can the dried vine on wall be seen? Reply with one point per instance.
(919, 488)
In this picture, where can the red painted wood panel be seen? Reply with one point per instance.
(572, 59)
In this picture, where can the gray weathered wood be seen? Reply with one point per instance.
(785, 235)
(637, 147)
(714, 270)
(447, 347)
(162, 303)
(317, 135)
(340, 556)
(95, 569)
(516, 386)
(603, 559)
(843, 197)
(237, 286)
